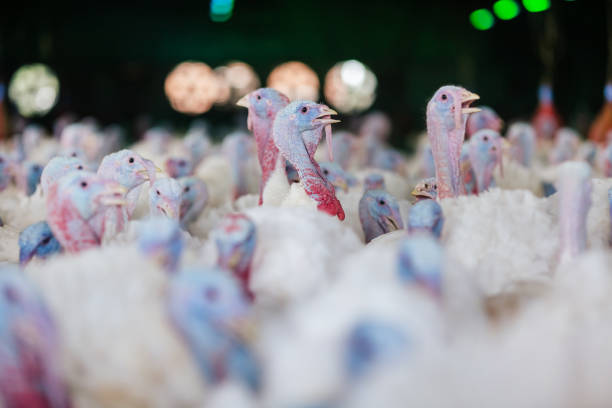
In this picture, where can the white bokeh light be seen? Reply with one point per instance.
(350, 86)
(34, 89)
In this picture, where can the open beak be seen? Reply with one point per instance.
(114, 195)
(466, 100)
(324, 116)
(418, 193)
(244, 101)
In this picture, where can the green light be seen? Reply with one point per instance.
(482, 19)
(220, 18)
(506, 9)
(535, 6)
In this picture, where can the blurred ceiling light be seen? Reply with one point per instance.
(535, 6)
(221, 10)
(191, 87)
(296, 80)
(34, 89)
(236, 80)
(506, 9)
(350, 86)
(482, 19)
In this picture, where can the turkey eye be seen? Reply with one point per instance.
(381, 202)
(182, 163)
(304, 109)
(131, 160)
(84, 184)
(46, 240)
(186, 189)
(444, 97)
(435, 187)
(211, 294)
(157, 191)
(258, 97)
(325, 172)
(486, 138)
(80, 168)
(36, 168)
(73, 154)
(426, 185)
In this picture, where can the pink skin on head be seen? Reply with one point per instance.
(262, 111)
(79, 223)
(446, 116)
(574, 203)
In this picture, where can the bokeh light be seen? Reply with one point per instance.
(350, 86)
(482, 19)
(296, 80)
(506, 9)
(34, 89)
(236, 79)
(221, 10)
(192, 87)
(536, 6)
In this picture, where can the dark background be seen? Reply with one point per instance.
(112, 58)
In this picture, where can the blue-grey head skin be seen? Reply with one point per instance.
(420, 263)
(58, 167)
(340, 179)
(610, 210)
(426, 215)
(379, 214)
(193, 200)
(388, 159)
(127, 168)
(485, 155)
(467, 172)
(235, 236)
(165, 198)
(179, 167)
(371, 343)
(6, 167)
(38, 241)
(197, 141)
(161, 239)
(429, 166)
(521, 136)
(33, 171)
(209, 309)
(374, 181)
(238, 148)
(29, 361)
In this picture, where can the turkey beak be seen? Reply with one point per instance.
(244, 327)
(244, 101)
(467, 98)
(417, 192)
(113, 195)
(341, 184)
(150, 170)
(394, 221)
(169, 210)
(324, 117)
